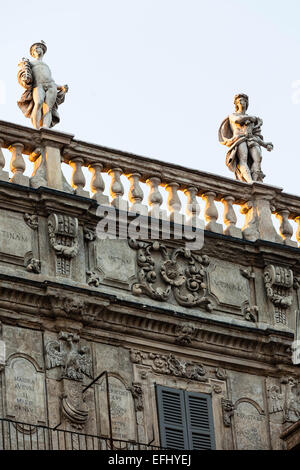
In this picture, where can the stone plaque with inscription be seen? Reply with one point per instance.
(227, 283)
(15, 235)
(250, 428)
(115, 260)
(122, 411)
(25, 392)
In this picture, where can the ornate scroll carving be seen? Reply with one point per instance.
(162, 271)
(63, 231)
(228, 411)
(278, 283)
(185, 334)
(170, 365)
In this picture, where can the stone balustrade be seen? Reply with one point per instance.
(48, 150)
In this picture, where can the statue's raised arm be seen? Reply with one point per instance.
(242, 134)
(42, 96)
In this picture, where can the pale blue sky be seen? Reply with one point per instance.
(157, 77)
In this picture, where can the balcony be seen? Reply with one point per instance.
(22, 436)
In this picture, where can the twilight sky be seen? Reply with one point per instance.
(157, 77)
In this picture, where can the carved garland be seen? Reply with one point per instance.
(162, 271)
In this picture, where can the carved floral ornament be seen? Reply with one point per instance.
(162, 271)
(170, 365)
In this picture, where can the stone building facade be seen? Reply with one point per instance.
(139, 342)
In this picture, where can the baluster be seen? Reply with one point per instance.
(17, 164)
(155, 198)
(4, 176)
(230, 218)
(174, 204)
(78, 178)
(97, 184)
(192, 208)
(285, 229)
(297, 220)
(211, 213)
(136, 195)
(117, 189)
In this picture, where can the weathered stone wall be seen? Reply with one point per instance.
(220, 321)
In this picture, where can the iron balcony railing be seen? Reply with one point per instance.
(22, 436)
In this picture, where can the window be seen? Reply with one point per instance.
(185, 419)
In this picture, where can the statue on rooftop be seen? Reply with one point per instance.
(242, 134)
(42, 95)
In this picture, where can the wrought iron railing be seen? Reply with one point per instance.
(22, 436)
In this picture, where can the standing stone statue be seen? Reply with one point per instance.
(242, 134)
(42, 96)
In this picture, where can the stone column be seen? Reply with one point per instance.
(17, 164)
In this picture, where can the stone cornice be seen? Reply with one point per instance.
(47, 305)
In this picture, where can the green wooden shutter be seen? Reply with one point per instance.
(199, 421)
(172, 418)
(185, 419)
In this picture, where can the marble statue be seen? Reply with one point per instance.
(42, 96)
(242, 134)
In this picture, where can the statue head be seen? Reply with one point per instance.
(241, 102)
(38, 49)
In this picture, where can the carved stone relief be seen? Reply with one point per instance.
(284, 400)
(63, 237)
(66, 353)
(162, 272)
(170, 365)
(278, 283)
(74, 307)
(74, 361)
(228, 409)
(185, 334)
(32, 221)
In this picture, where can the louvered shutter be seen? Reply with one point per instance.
(172, 418)
(185, 419)
(199, 421)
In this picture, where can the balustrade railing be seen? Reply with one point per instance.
(165, 184)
